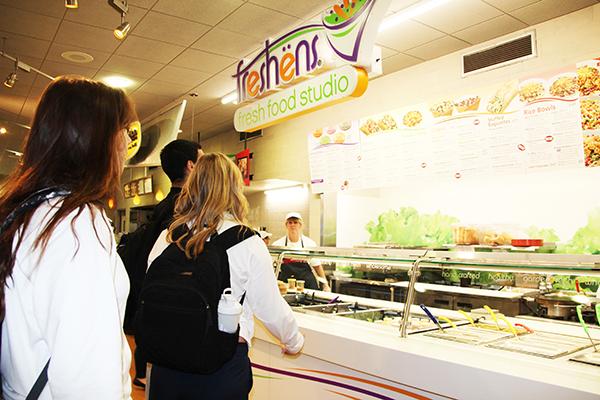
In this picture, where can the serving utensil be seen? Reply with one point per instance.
(584, 325)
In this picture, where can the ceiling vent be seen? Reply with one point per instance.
(505, 53)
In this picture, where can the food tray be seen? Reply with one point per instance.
(470, 334)
(542, 344)
(588, 358)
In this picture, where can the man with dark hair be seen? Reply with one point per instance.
(177, 160)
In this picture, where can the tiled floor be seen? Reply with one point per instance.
(136, 392)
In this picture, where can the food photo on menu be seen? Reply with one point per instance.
(588, 83)
(343, 133)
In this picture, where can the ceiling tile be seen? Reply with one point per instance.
(132, 66)
(102, 15)
(301, 9)
(509, 5)
(19, 45)
(85, 36)
(398, 62)
(164, 88)
(548, 9)
(148, 98)
(54, 9)
(11, 103)
(437, 48)
(170, 29)
(182, 76)
(228, 43)
(147, 49)
(54, 54)
(256, 21)
(208, 12)
(142, 3)
(202, 61)
(458, 14)
(387, 52)
(407, 35)
(39, 84)
(27, 23)
(491, 29)
(398, 5)
(21, 88)
(57, 69)
(38, 88)
(29, 108)
(216, 87)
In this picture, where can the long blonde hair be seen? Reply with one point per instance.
(213, 188)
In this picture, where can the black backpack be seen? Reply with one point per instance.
(176, 323)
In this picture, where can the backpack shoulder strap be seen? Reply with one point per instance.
(234, 235)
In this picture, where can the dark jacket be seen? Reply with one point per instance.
(135, 247)
(163, 211)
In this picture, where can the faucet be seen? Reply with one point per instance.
(414, 274)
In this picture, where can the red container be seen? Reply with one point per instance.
(527, 242)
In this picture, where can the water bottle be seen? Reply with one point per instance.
(229, 312)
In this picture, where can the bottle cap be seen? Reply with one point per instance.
(229, 304)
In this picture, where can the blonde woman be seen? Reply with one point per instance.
(212, 202)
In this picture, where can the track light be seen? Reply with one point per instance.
(11, 79)
(71, 4)
(122, 30)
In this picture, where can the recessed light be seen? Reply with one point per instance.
(117, 81)
(3, 131)
(77, 57)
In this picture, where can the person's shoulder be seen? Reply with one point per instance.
(279, 242)
(308, 242)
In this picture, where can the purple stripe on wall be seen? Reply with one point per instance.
(321, 380)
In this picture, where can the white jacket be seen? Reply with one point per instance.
(251, 271)
(67, 305)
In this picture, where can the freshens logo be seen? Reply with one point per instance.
(282, 62)
(347, 31)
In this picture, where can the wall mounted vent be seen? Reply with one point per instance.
(505, 53)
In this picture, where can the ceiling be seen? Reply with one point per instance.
(177, 47)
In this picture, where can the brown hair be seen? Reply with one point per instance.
(74, 144)
(213, 188)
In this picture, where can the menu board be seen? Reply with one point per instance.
(588, 80)
(543, 122)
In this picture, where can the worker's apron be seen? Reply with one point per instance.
(299, 270)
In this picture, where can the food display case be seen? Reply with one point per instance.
(402, 343)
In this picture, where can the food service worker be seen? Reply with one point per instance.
(301, 270)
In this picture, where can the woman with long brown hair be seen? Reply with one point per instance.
(210, 205)
(62, 284)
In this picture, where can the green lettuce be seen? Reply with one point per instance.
(406, 227)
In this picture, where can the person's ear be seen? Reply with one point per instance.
(189, 166)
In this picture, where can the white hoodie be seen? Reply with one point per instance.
(67, 306)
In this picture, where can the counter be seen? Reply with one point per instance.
(345, 358)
